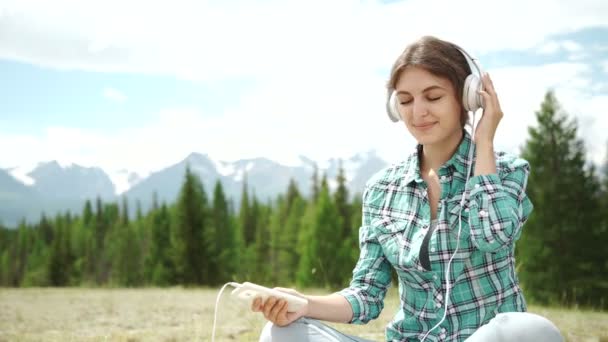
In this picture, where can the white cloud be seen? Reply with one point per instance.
(214, 40)
(553, 46)
(316, 66)
(522, 89)
(114, 95)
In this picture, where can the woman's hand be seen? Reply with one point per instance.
(492, 113)
(275, 309)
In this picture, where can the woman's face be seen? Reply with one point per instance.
(428, 105)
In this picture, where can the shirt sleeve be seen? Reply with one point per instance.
(498, 206)
(371, 276)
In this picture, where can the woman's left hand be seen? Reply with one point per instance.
(492, 113)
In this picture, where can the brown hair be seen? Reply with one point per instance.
(440, 58)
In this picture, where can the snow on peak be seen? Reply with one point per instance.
(123, 180)
(22, 174)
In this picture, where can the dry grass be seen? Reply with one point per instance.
(187, 315)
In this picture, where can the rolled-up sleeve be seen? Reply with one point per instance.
(371, 277)
(498, 206)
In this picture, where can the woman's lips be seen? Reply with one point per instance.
(425, 126)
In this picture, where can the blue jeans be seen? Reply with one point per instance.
(505, 327)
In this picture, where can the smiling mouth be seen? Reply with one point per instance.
(425, 125)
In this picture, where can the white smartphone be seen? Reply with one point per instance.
(247, 292)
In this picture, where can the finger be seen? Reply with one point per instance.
(255, 305)
(270, 302)
(491, 104)
(488, 84)
(276, 310)
(488, 102)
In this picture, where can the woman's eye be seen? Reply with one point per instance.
(434, 98)
(405, 102)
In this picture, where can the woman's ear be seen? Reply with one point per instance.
(464, 118)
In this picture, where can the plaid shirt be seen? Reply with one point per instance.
(396, 216)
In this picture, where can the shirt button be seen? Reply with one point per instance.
(433, 249)
(466, 210)
(476, 186)
(443, 178)
(438, 305)
(482, 213)
(440, 297)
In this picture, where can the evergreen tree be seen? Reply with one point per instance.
(346, 230)
(45, 230)
(288, 254)
(59, 263)
(277, 264)
(321, 240)
(87, 213)
(561, 189)
(221, 239)
(124, 214)
(188, 238)
(315, 184)
(261, 246)
(246, 220)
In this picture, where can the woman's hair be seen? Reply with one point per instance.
(440, 58)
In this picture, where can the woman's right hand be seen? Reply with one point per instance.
(275, 309)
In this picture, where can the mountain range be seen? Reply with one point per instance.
(51, 188)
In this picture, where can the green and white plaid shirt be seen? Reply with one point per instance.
(396, 216)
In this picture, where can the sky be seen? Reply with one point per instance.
(139, 85)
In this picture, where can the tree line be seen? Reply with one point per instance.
(312, 241)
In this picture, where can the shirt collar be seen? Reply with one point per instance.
(459, 160)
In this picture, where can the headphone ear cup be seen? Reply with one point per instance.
(391, 108)
(471, 99)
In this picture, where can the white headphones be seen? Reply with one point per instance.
(471, 99)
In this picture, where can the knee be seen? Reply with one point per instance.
(525, 326)
(293, 332)
(266, 336)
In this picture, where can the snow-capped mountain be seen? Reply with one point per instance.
(73, 181)
(50, 187)
(124, 180)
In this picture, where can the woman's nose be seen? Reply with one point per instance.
(419, 108)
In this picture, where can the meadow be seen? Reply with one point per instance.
(178, 314)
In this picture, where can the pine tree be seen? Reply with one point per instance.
(124, 214)
(45, 230)
(322, 242)
(276, 261)
(188, 238)
(261, 246)
(87, 213)
(158, 263)
(289, 242)
(221, 239)
(554, 257)
(343, 207)
(245, 216)
(315, 184)
(59, 259)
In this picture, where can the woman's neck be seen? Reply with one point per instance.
(435, 155)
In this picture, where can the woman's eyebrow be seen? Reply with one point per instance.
(433, 87)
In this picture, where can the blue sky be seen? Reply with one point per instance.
(139, 86)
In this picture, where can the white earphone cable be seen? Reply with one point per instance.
(217, 302)
(462, 201)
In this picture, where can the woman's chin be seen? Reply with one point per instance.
(426, 139)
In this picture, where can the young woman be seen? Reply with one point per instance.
(446, 219)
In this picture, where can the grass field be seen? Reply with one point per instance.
(176, 314)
